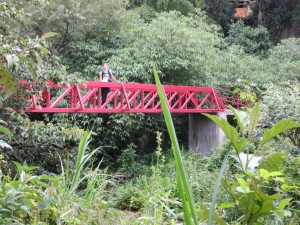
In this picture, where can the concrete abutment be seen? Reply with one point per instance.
(204, 134)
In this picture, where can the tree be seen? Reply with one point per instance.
(281, 17)
(89, 31)
(255, 41)
(21, 57)
(182, 6)
(284, 61)
(180, 46)
(282, 102)
(81, 20)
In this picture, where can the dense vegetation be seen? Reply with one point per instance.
(54, 171)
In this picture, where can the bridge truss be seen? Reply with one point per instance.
(129, 98)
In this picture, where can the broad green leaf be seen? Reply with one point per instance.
(278, 128)
(230, 132)
(19, 166)
(204, 212)
(244, 188)
(6, 76)
(266, 174)
(263, 204)
(287, 187)
(6, 131)
(253, 204)
(273, 162)
(284, 202)
(48, 35)
(22, 176)
(240, 121)
(226, 205)
(254, 118)
(43, 49)
(242, 182)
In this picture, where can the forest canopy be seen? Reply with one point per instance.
(191, 42)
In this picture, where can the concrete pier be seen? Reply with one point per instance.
(204, 134)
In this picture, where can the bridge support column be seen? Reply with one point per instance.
(204, 134)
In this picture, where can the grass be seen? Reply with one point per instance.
(183, 183)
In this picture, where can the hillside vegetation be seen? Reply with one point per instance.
(119, 168)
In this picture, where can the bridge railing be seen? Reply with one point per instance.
(124, 98)
(129, 97)
(231, 98)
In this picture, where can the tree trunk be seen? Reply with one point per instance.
(65, 36)
(260, 17)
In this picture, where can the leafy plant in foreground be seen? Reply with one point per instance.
(260, 194)
(73, 197)
(22, 199)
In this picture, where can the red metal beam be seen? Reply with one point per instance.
(130, 98)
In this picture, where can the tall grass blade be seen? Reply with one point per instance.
(185, 206)
(216, 190)
(81, 161)
(186, 189)
(80, 157)
(62, 171)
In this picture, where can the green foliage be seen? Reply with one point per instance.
(22, 200)
(281, 102)
(183, 183)
(38, 143)
(211, 216)
(119, 134)
(231, 133)
(184, 7)
(22, 56)
(249, 75)
(84, 42)
(283, 61)
(155, 195)
(55, 199)
(83, 159)
(7, 132)
(129, 163)
(180, 46)
(187, 51)
(255, 41)
(79, 20)
(278, 128)
(248, 189)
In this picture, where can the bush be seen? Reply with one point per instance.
(255, 41)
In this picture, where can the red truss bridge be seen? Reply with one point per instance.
(129, 98)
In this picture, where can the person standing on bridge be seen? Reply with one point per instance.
(106, 75)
